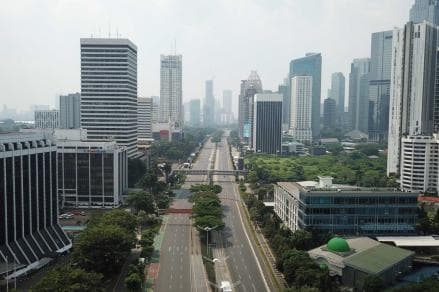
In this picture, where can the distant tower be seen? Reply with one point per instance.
(425, 10)
(144, 117)
(329, 113)
(171, 90)
(70, 111)
(249, 88)
(209, 105)
(337, 93)
(359, 94)
(194, 112)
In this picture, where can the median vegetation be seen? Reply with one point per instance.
(207, 215)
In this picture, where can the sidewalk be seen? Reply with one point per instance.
(154, 267)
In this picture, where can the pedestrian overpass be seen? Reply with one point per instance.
(209, 173)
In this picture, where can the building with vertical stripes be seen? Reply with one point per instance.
(91, 174)
(47, 119)
(109, 91)
(29, 227)
(267, 128)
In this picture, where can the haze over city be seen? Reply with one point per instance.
(223, 40)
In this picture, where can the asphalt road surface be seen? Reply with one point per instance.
(242, 259)
(181, 267)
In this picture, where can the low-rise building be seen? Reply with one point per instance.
(47, 119)
(345, 210)
(91, 174)
(352, 260)
(293, 148)
(420, 163)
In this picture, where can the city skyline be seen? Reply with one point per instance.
(63, 59)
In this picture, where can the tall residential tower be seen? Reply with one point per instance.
(171, 90)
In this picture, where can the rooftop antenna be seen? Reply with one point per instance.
(117, 33)
(175, 46)
(109, 29)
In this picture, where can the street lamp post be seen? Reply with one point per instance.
(207, 229)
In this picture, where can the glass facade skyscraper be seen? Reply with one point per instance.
(425, 10)
(311, 65)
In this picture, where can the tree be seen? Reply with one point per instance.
(302, 240)
(209, 221)
(117, 217)
(133, 282)
(69, 279)
(148, 181)
(141, 201)
(136, 169)
(373, 283)
(103, 248)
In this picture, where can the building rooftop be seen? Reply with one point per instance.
(377, 259)
(325, 185)
(412, 241)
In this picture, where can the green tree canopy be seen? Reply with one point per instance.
(103, 248)
(69, 279)
(141, 201)
(373, 283)
(117, 217)
(209, 221)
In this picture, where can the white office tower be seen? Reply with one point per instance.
(70, 111)
(301, 113)
(420, 163)
(171, 91)
(47, 119)
(412, 87)
(109, 91)
(144, 118)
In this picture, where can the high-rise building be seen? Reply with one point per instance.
(70, 111)
(194, 112)
(155, 109)
(249, 88)
(301, 108)
(284, 89)
(329, 113)
(109, 91)
(337, 93)
(29, 227)
(267, 129)
(425, 10)
(209, 105)
(359, 94)
(311, 65)
(91, 174)
(412, 87)
(227, 101)
(47, 119)
(379, 85)
(144, 117)
(171, 90)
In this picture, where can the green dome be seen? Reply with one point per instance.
(338, 244)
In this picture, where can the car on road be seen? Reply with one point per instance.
(225, 286)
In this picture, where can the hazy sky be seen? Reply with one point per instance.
(220, 39)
